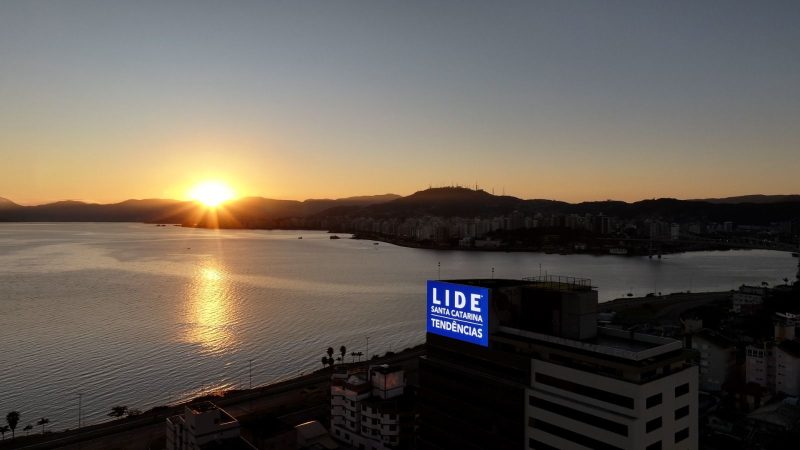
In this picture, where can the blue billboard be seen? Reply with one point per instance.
(459, 312)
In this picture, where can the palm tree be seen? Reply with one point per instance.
(43, 421)
(343, 351)
(118, 411)
(13, 419)
(3, 430)
(27, 429)
(324, 361)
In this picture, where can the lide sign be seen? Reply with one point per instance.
(459, 312)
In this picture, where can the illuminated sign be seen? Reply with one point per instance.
(459, 312)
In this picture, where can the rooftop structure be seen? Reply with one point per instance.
(204, 426)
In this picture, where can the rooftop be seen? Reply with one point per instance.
(611, 342)
(386, 369)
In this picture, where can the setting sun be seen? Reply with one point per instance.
(212, 193)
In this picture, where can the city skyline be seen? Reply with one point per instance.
(107, 102)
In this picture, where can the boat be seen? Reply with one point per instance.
(334, 237)
(299, 237)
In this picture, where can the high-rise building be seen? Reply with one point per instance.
(547, 377)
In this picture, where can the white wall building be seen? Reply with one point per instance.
(368, 412)
(202, 425)
(643, 402)
(787, 368)
(717, 359)
(748, 299)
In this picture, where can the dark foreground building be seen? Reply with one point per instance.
(550, 378)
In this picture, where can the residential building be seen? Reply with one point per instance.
(748, 299)
(371, 410)
(204, 426)
(550, 378)
(760, 365)
(716, 358)
(787, 368)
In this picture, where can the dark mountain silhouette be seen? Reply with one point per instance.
(245, 212)
(756, 198)
(463, 202)
(259, 212)
(6, 204)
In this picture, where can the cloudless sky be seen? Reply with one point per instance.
(571, 100)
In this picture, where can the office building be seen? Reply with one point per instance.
(547, 377)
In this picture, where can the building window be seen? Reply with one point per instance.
(653, 400)
(653, 424)
(533, 443)
(586, 391)
(682, 390)
(681, 435)
(572, 436)
(681, 412)
(654, 446)
(580, 416)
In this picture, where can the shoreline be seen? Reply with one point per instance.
(306, 386)
(548, 250)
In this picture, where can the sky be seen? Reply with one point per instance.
(109, 100)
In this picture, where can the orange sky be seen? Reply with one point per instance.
(568, 102)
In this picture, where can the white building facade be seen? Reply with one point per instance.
(368, 408)
(567, 407)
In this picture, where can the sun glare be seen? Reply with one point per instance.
(212, 193)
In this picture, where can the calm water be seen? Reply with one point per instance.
(138, 315)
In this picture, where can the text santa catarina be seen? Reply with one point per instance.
(459, 312)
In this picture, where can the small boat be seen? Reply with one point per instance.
(299, 237)
(334, 237)
(375, 243)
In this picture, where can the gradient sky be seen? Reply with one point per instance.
(571, 100)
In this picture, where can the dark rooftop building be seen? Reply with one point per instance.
(551, 378)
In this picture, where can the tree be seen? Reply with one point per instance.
(324, 361)
(13, 419)
(118, 411)
(343, 351)
(3, 430)
(134, 412)
(27, 429)
(43, 421)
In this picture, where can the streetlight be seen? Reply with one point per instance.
(80, 405)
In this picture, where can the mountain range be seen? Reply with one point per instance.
(259, 212)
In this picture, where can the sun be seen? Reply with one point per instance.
(212, 193)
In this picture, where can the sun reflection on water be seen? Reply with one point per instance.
(211, 311)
